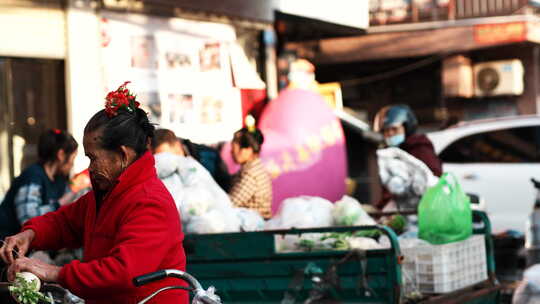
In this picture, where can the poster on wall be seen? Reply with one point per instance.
(180, 70)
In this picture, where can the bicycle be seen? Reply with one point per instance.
(201, 296)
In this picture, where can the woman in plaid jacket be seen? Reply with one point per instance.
(252, 186)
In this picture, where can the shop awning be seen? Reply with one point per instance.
(424, 42)
(296, 19)
(259, 10)
(299, 28)
(302, 20)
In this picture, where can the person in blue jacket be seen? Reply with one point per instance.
(42, 187)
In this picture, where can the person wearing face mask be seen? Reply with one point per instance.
(252, 185)
(398, 125)
(127, 225)
(177, 170)
(42, 187)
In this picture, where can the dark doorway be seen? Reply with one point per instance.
(32, 99)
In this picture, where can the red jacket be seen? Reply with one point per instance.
(419, 146)
(136, 231)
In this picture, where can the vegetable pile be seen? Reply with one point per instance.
(341, 241)
(26, 291)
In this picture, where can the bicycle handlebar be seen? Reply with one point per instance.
(161, 274)
(201, 295)
(149, 277)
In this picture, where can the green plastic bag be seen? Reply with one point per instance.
(444, 212)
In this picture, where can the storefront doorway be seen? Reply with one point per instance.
(32, 99)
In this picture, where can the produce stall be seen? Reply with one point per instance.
(247, 268)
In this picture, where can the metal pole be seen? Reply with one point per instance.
(8, 86)
(270, 67)
(536, 77)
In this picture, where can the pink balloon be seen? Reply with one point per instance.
(304, 147)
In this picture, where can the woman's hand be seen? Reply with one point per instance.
(45, 272)
(16, 246)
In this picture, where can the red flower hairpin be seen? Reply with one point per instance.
(122, 98)
(57, 131)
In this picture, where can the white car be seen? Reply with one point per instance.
(496, 160)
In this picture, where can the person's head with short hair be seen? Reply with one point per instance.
(57, 148)
(165, 140)
(115, 137)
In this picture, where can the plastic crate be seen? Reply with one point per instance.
(408, 272)
(448, 267)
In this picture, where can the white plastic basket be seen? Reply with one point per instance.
(448, 267)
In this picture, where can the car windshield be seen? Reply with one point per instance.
(514, 145)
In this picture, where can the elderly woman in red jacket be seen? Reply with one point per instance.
(128, 224)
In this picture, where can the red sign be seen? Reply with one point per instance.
(500, 33)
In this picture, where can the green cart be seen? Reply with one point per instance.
(245, 268)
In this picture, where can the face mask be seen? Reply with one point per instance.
(395, 140)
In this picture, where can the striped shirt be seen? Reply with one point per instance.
(29, 202)
(252, 188)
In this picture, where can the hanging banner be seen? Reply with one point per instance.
(179, 68)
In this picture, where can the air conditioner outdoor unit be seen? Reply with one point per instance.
(503, 77)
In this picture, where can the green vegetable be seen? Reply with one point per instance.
(336, 240)
(368, 233)
(349, 220)
(334, 235)
(397, 222)
(27, 292)
(341, 244)
(340, 240)
(306, 244)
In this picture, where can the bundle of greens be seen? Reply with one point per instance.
(362, 239)
(397, 222)
(341, 241)
(26, 291)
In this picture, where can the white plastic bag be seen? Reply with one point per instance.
(404, 175)
(362, 243)
(195, 192)
(349, 212)
(300, 243)
(273, 224)
(300, 212)
(195, 178)
(303, 212)
(250, 220)
(404, 243)
(214, 221)
(196, 201)
(201, 296)
(400, 170)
